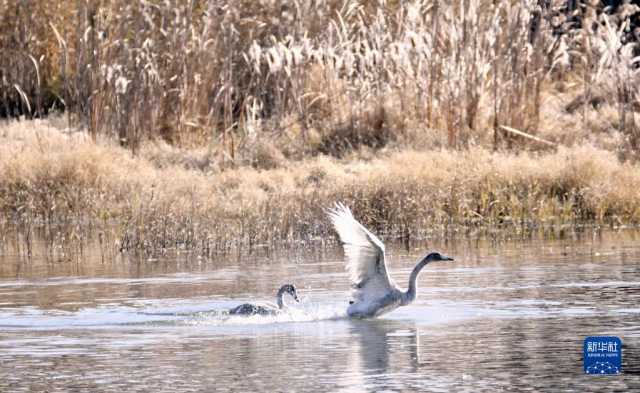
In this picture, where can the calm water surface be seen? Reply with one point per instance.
(508, 315)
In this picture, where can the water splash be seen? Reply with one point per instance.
(203, 313)
(306, 311)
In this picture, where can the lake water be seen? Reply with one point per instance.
(508, 314)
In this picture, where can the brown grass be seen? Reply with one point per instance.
(205, 124)
(252, 80)
(70, 184)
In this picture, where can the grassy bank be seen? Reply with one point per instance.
(166, 198)
(205, 124)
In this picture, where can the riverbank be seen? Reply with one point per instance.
(165, 198)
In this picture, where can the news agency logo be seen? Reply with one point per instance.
(602, 355)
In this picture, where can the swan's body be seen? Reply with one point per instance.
(374, 292)
(266, 309)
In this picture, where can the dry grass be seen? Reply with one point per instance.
(72, 185)
(254, 80)
(205, 124)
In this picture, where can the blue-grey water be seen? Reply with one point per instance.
(507, 315)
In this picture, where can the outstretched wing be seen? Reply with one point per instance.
(364, 252)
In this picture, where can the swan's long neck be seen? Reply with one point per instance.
(279, 297)
(410, 294)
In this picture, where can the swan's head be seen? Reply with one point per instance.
(291, 290)
(436, 256)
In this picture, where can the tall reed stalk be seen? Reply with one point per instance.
(322, 76)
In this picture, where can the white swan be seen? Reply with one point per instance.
(266, 309)
(374, 292)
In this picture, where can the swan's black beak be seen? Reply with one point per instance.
(446, 258)
(295, 297)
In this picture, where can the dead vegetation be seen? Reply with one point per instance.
(71, 185)
(321, 77)
(203, 124)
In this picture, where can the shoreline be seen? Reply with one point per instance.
(54, 244)
(148, 202)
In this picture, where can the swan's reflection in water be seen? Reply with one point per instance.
(386, 351)
(380, 340)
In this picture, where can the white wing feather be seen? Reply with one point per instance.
(365, 261)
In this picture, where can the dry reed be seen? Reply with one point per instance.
(247, 118)
(275, 80)
(70, 184)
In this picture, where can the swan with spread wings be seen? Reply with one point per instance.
(374, 292)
